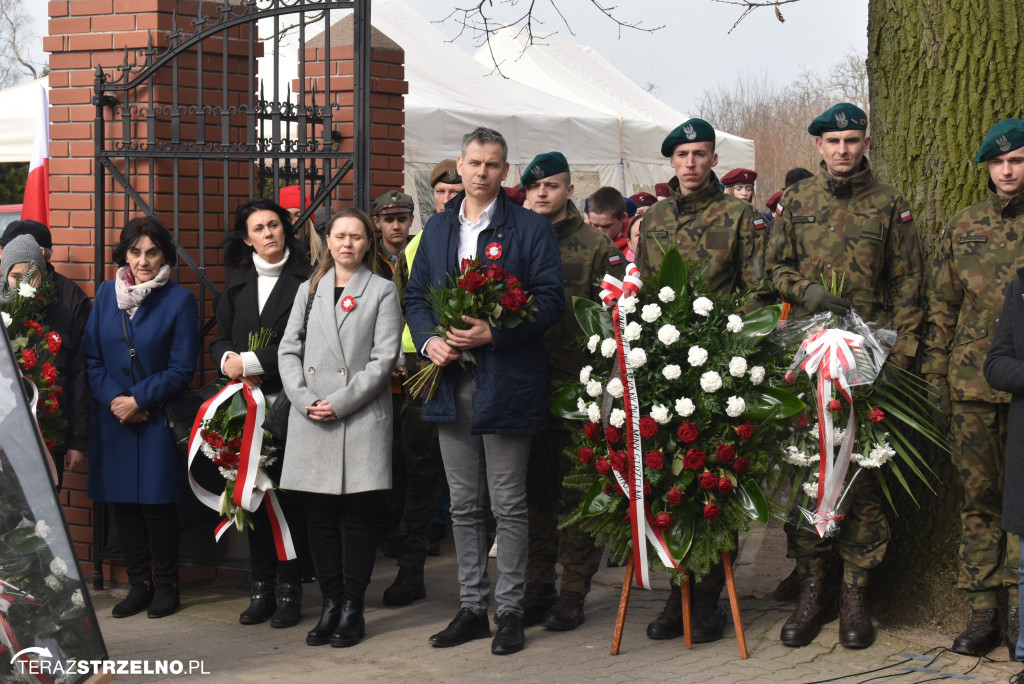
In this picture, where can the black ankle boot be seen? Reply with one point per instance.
(330, 614)
(351, 627)
(261, 604)
(138, 599)
(289, 606)
(166, 600)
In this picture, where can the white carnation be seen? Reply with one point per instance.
(735, 406)
(627, 305)
(734, 324)
(660, 413)
(696, 356)
(42, 529)
(608, 348)
(684, 407)
(593, 342)
(668, 334)
(671, 371)
(593, 412)
(666, 294)
(77, 600)
(7, 319)
(632, 331)
(594, 388)
(881, 453)
(58, 567)
(614, 388)
(711, 381)
(636, 357)
(650, 312)
(794, 456)
(702, 306)
(617, 418)
(757, 375)
(26, 290)
(737, 367)
(585, 373)
(810, 488)
(52, 582)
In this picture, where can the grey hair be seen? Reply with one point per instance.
(485, 135)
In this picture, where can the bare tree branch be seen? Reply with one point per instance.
(751, 5)
(15, 34)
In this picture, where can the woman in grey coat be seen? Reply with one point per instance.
(336, 371)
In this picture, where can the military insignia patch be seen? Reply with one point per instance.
(804, 219)
(615, 260)
(451, 175)
(905, 216)
(758, 224)
(689, 132)
(1004, 143)
(493, 251)
(841, 120)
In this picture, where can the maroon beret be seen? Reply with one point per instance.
(515, 194)
(773, 201)
(643, 199)
(662, 190)
(738, 177)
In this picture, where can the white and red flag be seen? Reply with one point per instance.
(36, 205)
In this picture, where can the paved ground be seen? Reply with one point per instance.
(396, 646)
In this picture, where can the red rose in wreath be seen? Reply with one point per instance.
(602, 466)
(711, 511)
(834, 405)
(663, 521)
(740, 465)
(745, 431)
(592, 430)
(674, 496)
(724, 485)
(694, 459)
(618, 460)
(708, 481)
(648, 427)
(586, 455)
(725, 452)
(688, 433)
(655, 460)
(613, 434)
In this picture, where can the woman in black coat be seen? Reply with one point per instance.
(1004, 371)
(269, 265)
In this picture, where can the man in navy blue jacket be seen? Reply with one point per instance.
(488, 412)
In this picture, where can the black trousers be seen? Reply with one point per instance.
(148, 534)
(262, 550)
(343, 541)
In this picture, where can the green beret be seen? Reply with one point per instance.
(543, 166)
(694, 130)
(393, 199)
(841, 117)
(1005, 136)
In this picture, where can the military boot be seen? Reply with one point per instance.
(567, 613)
(669, 624)
(981, 635)
(261, 604)
(812, 611)
(855, 628)
(536, 602)
(707, 617)
(1013, 629)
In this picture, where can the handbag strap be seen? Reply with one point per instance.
(131, 344)
(305, 316)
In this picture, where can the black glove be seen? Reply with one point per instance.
(817, 298)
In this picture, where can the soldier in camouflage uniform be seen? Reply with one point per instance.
(978, 256)
(703, 223)
(845, 223)
(587, 255)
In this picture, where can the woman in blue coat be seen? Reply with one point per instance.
(133, 462)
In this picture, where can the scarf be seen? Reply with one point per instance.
(129, 295)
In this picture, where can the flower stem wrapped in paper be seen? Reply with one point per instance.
(862, 413)
(490, 294)
(681, 413)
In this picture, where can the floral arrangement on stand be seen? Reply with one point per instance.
(488, 293)
(228, 430)
(682, 412)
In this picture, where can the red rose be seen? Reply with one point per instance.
(740, 465)
(745, 431)
(801, 420)
(613, 434)
(495, 272)
(472, 281)
(663, 521)
(607, 489)
(790, 377)
(234, 444)
(725, 452)
(35, 326)
(54, 404)
(49, 373)
(647, 488)
(50, 443)
(708, 481)
(834, 405)
(724, 485)
(655, 460)
(694, 459)
(466, 263)
(876, 415)
(28, 359)
(711, 511)
(648, 427)
(586, 455)
(617, 488)
(511, 282)
(602, 466)
(688, 433)
(513, 300)
(591, 430)
(618, 460)
(674, 496)
(53, 342)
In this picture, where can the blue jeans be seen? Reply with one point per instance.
(477, 465)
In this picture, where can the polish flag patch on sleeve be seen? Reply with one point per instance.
(905, 216)
(758, 224)
(615, 260)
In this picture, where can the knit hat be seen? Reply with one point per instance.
(22, 249)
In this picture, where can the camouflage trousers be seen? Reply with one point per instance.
(862, 539)
(989, 555)
(423, 469)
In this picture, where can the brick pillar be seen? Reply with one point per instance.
(387, 102)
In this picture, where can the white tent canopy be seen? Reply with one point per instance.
(18, 120)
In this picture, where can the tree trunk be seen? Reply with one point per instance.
(940, 75)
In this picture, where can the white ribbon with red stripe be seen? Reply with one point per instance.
(9, 640)
(251, 483)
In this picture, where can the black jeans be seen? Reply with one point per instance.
(343, 541)
(148, 533)
(262, 549)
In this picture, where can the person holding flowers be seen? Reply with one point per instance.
(336, 366)
(487, 411)
(844, 225)
(133, 461)
(268, 265)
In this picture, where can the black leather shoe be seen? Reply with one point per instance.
(567, 613)
(812, 611)
(261, 604)
(855, 628)
(289, 606)
(981, 635)
(137, 600)
(166, 600)
(510, 637)
(708, 618)
(351, 626)
(466, 626)
(330, 614)
(407, 587)
(537, 599)
(669, 625)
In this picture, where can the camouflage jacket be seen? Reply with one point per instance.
(858, 228)
(978, 256)
(707, 224)
(587, 255)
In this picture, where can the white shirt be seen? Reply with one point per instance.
(469, 232)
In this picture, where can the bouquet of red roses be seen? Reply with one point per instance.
(487, 293)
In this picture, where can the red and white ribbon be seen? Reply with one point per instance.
(613, 289)
(251, 484)
(9, 639)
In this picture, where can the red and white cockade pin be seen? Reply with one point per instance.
(493, 251)
(348, 303)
